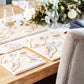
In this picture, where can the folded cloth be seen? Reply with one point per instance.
(76, 23)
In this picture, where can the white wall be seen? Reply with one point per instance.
(2, 2)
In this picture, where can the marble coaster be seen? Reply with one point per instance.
(21, 60)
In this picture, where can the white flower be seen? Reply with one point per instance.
(28, 13)
(79, 2)
(62, 7)
(72, 14)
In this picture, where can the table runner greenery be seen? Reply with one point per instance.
(63, 11)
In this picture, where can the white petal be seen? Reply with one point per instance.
(72, 14)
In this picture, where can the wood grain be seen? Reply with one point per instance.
(17, 9)
(30, 76)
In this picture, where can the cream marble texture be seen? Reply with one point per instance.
(48, 44)
(13, 45)
(21, 60)
(16, 32)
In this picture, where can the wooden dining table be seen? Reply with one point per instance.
(30, 76)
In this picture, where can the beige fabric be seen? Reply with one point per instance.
(71, 68)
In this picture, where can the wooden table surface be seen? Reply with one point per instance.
(30, 76)
(17, 10)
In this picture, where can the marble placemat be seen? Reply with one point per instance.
(21, 60)
(49, 44)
